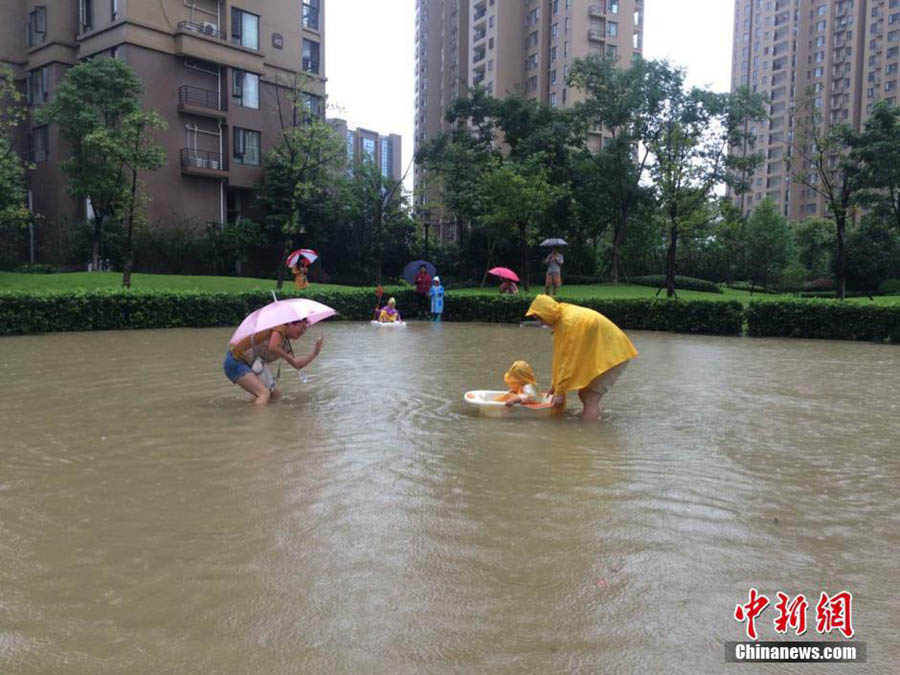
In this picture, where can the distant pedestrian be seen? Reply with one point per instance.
(554, 263)
(423, 288)
(437, 298)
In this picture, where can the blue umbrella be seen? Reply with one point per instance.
(412, 269)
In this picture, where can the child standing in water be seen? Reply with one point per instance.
(437, 298)
(522, 385)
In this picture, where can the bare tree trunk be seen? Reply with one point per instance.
(523, 244)
(490, 258)
(95, 242)
(616, 261)
(670, 259)
(129, 241)
(841, 258)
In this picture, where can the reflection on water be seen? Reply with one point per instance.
(152, 521)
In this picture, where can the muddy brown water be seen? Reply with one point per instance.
(152, 521)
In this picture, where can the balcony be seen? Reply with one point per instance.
(196, 101)
(597, 11)
(310, 65)
(479, 14)
(206, 42)
(479, 34)
(203, 163)
(597, 35)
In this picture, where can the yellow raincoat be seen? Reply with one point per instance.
(585, 343)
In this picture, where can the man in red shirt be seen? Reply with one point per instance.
(423, 284)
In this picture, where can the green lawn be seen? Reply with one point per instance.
(10, 281)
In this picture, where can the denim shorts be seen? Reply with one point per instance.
(234, 368)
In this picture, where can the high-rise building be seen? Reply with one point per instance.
(216, 70)
(839, 56)
(509, 47)
(383, 149)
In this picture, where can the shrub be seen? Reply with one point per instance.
(889, 287)
(683, 283)
(827, 319)
(820, 284)
(37, 268)
(581, 279)
(121, 309)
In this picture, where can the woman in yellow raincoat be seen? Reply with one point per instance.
(589, 352)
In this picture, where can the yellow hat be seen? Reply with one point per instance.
(392, 302)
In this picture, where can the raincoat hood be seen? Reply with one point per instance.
(585, 343)
(519, 374)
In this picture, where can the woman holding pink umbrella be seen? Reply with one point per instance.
(264, 337)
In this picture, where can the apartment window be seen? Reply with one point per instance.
(310, 56)
(565, 49)
(612, 28)
(565, 72)
(819, 71)
(613, 6)
(36, 86)
(491, 21)
(568, 25)
(368, 149)
(351, 142)
(113, 9)
(533, 17)
(36, 28)
(553, 53)
(245, 89)
(387, 157)
(891, 68)
(86, 14)
(890, 86)
(637, 17)
(244, 28)
(820, 26)
(554, 30)
(820, 11)
(532, 39)
(556, 6)
(870, 92)
(40, 144)
(612, 52)
(246, 146)
(311, 14)
(564, 91)
(552, 77)
(531, 84)
(553, 100)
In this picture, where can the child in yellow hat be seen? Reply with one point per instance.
(522, 385)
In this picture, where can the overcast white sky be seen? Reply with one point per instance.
(370, 47)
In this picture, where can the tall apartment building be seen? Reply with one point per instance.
(215, 70)
(510, 47)
(840, 55)
(384, 150)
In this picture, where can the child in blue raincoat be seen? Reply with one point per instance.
(437, 298)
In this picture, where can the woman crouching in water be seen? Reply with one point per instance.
(246, 363)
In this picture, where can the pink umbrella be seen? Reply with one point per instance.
(307, 253)
(279, 312)
(504, 273)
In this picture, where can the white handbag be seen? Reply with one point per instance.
(261, 369)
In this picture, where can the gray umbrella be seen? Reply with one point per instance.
(556, 241)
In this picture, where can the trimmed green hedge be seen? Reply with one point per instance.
(825, 319)
(44, 312)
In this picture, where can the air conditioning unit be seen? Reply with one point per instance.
(210, 28)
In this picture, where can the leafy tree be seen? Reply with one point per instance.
(518, 195)
(873, 254)
(823, 163)
(815, 242)
(873, 151)
(299, 170)
(13, 209)
(769, 244)
(98, 111)
(690, 155)
(377, 211)
(628, 104)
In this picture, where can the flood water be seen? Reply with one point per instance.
(152, 521)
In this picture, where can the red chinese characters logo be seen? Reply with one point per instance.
(832, 613)
(750, 611)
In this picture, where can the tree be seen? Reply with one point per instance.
(299, 170)
(377, 212)
(13, 209)
(769, 246)
(518, 195)
(821, 161)
(97, 109)
(690, 155)
(815, 245)
(873, 151)
(628, 104)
